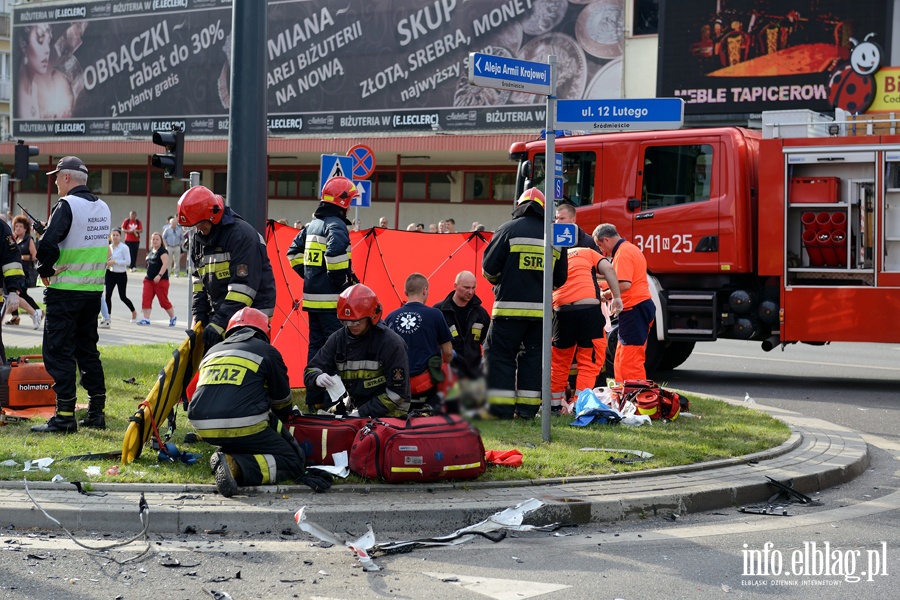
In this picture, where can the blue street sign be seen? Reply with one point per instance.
(558, 181)
(511, 74)
(620, 115)
(334, 166)
(564, 234)
(364, 199)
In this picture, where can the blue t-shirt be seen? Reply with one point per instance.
(423, 328)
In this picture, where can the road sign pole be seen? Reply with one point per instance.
(549, 213)
(193, 181)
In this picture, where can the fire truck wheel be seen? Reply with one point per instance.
(675, 354)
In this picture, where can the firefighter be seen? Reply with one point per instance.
(514, 264)
(469, 323)
(578, 323)
(428, 342)
(232, 269)
(638, 311)
(366, 357)
(320, 254)
(243, 395)
(72, 262)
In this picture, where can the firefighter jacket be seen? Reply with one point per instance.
(76, 238)
(232, 271)
(320, 254)
(468, 337)
(514, 263)
(241, 379)
(13, 274)
(374, 368)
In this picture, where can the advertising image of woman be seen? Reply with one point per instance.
(42, 91)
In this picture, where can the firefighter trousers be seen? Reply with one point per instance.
(321, 326)
(270, 456)
(512, 358)
(70, 342)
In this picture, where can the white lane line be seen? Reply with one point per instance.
(499, 589)
(797, 362)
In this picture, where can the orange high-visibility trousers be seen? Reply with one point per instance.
(589, 362)
(629, 363)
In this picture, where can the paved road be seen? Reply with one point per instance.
(122, 331)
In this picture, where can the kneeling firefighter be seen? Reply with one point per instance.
(243, 396)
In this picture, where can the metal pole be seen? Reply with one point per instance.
(4, 193)
(247, 175)
(549, 210)
(193, 181)
(397, 197)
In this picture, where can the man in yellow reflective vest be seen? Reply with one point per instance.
(71, 261)
(514, 264)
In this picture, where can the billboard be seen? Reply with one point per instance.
(128, 67)
(747, 56)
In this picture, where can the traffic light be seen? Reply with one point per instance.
(24, 168)
(173, 160)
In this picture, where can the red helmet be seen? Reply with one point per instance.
(531, 195)
(340, 191)
(249, 317)
(200, 204)
(358, 302)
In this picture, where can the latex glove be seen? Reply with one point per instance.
(616, 306)
(212, 335)
(317, 479)
(12, 302)
(325, 380)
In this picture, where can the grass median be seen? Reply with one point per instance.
(721, 431)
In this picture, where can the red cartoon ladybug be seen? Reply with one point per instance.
(852, 86)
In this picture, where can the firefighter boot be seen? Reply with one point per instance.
(95, 418)
(225, 469)
(63, 421)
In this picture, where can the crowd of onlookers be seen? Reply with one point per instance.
(442, 226)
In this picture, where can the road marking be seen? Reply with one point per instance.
(500, 589)
(797, 362)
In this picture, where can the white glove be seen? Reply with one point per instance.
(617, 306)
(354, 413)
(12, 302)
(325, 380)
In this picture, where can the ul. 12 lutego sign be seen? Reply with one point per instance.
(134, 66)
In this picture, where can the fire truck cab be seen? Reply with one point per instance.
(723, 218)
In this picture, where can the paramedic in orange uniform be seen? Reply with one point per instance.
(578, 322)
(639, 311)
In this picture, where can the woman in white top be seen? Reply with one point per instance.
(116, 272)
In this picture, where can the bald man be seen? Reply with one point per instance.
(468, 322)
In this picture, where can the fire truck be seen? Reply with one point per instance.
(748, 234)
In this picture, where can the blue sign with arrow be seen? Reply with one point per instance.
(564, 234)
(512, 74)
(634, 114)
(364, 199)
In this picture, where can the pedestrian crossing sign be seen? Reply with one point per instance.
(333, 165)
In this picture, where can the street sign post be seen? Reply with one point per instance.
(512, 74)
(564, 235)
(333, 165)
(635, 114)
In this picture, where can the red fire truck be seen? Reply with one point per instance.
(778, 240)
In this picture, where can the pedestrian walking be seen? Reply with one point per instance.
(117, 272)
(133, 230)
(173, 237)
(156, 282)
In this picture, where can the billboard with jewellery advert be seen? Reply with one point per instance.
(129, 67)
(747, 56)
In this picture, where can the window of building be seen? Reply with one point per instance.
(95, 181)
(645, 17)
(385, 186)
(134, 183)
(36, 182)
(499, 187)
(294, 184)
(220, 183)
(415, 186)
(439, 186)
(118, 182)
(675, 175)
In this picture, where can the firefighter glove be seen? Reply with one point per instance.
(316, 479)
(325, 380)
(212, 335)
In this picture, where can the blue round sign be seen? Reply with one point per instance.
(363, 161)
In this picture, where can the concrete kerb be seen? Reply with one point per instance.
(817, 455)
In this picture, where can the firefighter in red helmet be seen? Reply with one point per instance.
(513, 263)
(320, 254)
(366, 357)
(243, 396)
(231, 268)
